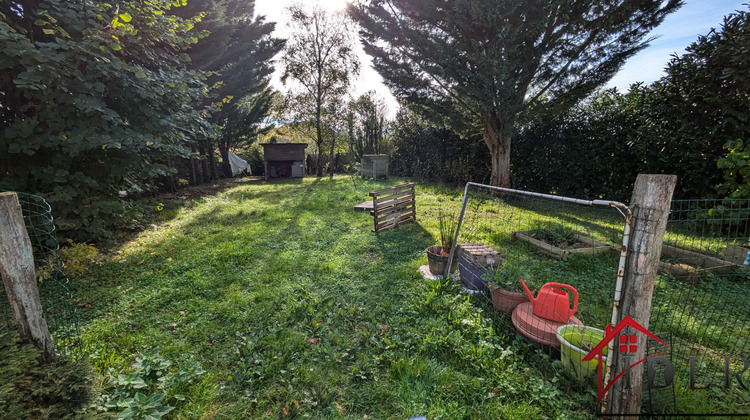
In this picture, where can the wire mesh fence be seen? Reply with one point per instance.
(701, 295)
(544, 262)
(699, 307)
(57, 303)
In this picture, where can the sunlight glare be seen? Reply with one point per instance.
(332, 5)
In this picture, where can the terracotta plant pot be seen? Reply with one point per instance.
(506, 301)
(437, 260)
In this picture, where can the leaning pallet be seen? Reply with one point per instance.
(393, 206)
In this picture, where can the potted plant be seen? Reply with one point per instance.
(437, 256)
(505, 287)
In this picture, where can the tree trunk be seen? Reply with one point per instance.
(19, 277)
(226, 170)
(497, 138)
(211, 161)
(331, 167)
(170, 181)
(319, 142)
(652, 196)
(205, 174)
(192, 167)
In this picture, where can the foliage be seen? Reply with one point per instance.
(716, 67)
(507, 277)
(686, 124)
(447, 225)
(319, 62)
(558, 235)
(78, 258)
(585, 152)
(237, 52)
(29, 389)
(429, 152)
(150, 373)
(96, 99)
(366, 125)
(480, 65)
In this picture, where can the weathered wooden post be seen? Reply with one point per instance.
(19, 277)
(650, 204)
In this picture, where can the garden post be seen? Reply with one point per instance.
(650, 204)
(19, 277)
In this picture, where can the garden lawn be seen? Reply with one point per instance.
(291, 306)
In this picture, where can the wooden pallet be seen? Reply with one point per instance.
(393, 206)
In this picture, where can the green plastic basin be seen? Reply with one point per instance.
(575, 343)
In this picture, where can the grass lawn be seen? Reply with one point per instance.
(275, 300)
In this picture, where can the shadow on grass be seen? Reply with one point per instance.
(266, 238)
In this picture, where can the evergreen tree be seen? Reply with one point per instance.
(237, 51)
(482, 64)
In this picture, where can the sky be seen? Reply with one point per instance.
(678, 30)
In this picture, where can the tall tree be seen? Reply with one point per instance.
(366, 124)
(238, 53)
(482, 64)
(320, 60)
(709, 88)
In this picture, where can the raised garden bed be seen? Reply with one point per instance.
(736, 254)
(583, 245)
(681, 262)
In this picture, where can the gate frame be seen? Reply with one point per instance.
(623, 209)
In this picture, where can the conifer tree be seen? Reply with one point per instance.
(237, 51)
(482, 64)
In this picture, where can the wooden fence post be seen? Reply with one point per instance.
(19, 277)
(650, 203)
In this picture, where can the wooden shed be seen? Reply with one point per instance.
(284, 160)
(375, 166)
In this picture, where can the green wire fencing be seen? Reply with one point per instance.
(57, 302)
(703, 288)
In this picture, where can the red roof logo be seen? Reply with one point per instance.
(625, 343)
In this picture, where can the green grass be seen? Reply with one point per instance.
(293, 307)
(29, 389)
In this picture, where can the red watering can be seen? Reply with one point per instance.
(553, 304)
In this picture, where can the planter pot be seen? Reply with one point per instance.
(575, 343)
(506, 301)
(471, 274)
(437, 262)
(592, 246)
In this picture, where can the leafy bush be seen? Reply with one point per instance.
(101, 102)
(145, 390)
(425, 151)
(79, 258)
(508, 276)
(692, 123)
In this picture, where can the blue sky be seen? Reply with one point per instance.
(679, 30)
